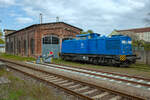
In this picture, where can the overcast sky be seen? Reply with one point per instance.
(101, 16)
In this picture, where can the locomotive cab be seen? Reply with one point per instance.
(126, 54)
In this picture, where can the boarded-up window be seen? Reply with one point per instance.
(25, 47)
(32, 45)
(7, 44)
(11, 47)
(19, 46)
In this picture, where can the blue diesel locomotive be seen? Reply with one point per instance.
(92, 48)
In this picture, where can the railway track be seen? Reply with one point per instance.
(133, 81)
(83, 90)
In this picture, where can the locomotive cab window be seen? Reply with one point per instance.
(81, 38)
(69, 38)
(89, 37)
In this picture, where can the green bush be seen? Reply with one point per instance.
(2, 41)
(147, 46)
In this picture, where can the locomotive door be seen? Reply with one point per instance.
(50, 43)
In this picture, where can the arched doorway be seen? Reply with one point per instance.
(51, 43)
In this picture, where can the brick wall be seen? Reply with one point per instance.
(16, 42)
(20, 42)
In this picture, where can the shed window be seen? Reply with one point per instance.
(55, 40)
(51, 40)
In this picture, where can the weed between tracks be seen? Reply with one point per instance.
(22, 90)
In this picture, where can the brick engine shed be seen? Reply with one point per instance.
(39, 39)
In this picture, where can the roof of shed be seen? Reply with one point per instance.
(136, 30)
(43, 24)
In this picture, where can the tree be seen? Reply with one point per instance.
(1, 33)
(1, 40)
(138, 43)
(114, 32)
(147, 46)
(88, 31)
(82, 32)
(141, 43)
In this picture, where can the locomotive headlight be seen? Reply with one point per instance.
(123, 42)
(129, 42)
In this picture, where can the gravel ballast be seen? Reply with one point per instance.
(103, 83)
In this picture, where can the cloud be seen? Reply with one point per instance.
(5, 3)
(102, 16)
(14, 14)
(24, 20)
(99, 15)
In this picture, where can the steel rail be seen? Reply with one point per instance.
(123, 75)
(98, 87)
(51, 83)
(118, 79)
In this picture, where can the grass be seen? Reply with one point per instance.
(2, 72)
(15, 57)
(23, 90)
(138, 69)
(134, 69)
(141, 67)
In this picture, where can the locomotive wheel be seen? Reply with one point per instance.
(95, 61)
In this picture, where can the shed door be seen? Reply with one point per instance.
(51, 43)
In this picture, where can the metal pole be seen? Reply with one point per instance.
(41, 18)
(51, 44)
(57, 19)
